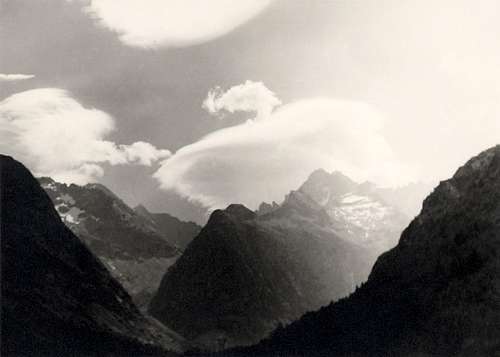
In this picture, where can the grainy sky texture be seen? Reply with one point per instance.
(239, 101)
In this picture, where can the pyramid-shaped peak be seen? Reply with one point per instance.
(319, 173)
(323, 176)
(322, 185)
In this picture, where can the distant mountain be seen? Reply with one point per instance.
(437, 293)
(265, 208)
(178, 232)
(246, 273)
(358, 212)
(132, 246)
(57, 298)
(177, 205)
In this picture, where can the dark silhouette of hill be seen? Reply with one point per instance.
(57, 298)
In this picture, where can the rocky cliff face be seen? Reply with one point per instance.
(57, 297)
(131, 246)
(436, 293)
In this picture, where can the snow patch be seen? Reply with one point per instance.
(71, 216)
(352, 198)
(49, 186)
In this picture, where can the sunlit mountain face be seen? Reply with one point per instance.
(135, 249)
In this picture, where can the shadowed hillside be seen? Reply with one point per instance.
(57, 297)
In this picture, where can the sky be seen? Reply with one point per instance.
(170, 103)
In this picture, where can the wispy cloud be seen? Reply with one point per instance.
(157, 23)
(56, 136)
(263, 159)
(247, 97)
(15, 77)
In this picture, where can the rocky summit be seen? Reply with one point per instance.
(358, 212)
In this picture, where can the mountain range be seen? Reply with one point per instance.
(135, 245)
(359, 212)
(298, 276)
(437, 293)
(247, 272)
(58, 299)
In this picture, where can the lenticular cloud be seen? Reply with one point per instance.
(160, 23)
(263, 160)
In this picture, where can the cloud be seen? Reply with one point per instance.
(143, 153)
(56, 136)
(263, 160)
(247, 97)
(14, 77)
(156, 23)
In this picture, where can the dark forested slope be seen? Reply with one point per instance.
(57, 297)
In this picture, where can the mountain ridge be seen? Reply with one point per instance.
(179, 232)
(130, 245)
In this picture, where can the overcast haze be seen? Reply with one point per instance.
(240, 101)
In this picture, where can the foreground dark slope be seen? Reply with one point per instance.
(244, 274)
(57, 298)
(437, 293)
